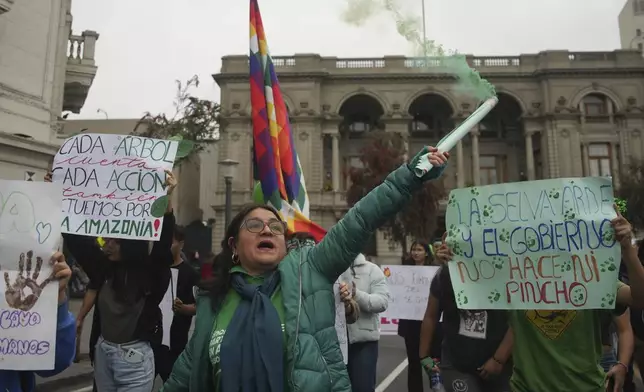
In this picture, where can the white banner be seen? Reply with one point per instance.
(113, 185)
(409, 289)
(30, 216)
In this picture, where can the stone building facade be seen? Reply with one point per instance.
(45, 70)
(560, 114)
(631, 25)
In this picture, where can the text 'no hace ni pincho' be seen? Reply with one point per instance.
(545, 245)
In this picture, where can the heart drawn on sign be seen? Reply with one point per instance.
(44, 231)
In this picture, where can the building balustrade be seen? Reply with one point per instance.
(82, 48)
(81, 69)
(526, 63)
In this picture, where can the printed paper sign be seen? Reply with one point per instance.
(113, 185)
(341, 323)
(545, 244)
(409, 289)
(30, 215)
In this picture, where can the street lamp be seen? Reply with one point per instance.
(228, 170)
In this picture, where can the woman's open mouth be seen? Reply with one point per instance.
(266, 245)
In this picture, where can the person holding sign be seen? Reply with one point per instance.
(132, 282)
(25, 381)
(476, 344)
(268, 323)
(421, 254)
(557, 350)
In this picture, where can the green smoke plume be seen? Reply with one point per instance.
(428, 53)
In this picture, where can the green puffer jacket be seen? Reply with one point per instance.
(313, 358)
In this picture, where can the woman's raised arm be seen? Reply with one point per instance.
(334, 254)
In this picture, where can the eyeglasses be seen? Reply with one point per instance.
(256, 226)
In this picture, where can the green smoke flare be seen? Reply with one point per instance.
(427, 52)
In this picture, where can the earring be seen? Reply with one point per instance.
(235, 258)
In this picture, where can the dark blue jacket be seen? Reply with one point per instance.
(10, 380)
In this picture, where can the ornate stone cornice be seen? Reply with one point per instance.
(442, 77)
(28, 144)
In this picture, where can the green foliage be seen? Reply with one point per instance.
(194, 123)
(159, 206)
(385, 153)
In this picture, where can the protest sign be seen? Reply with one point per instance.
(341, 323)
(388, 326)
(30, 215)
(409, 289)
(113, 185)
(545, 244)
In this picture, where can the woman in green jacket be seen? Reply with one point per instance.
(267, 322)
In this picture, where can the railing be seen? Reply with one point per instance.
(478, 62)
(81, 48)
(526, 63)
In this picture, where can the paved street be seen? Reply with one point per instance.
(392, 376)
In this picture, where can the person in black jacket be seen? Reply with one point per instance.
(420, 254)
(184, 308)
(131, 282)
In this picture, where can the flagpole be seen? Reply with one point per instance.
(422, 2)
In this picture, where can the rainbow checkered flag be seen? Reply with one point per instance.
(277, 166)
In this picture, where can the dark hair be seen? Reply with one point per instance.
(300, 239)
(130, 280)
(429, 259)
(219, 285)
(301, 236)
(179, 233)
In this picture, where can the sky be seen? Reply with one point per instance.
(146, 45)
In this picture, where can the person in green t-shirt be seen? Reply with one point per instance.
(560, 350)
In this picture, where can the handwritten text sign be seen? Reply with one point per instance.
(30, 215)
(111, 183)
(409, 289)
(341, 323)
(534, 245)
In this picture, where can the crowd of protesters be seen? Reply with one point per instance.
(264, 313)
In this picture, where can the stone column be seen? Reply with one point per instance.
(476, 165)
(584, 159)
(614, 164)
(335, 160)
(460, 165)
(89, 46)
(529, 155)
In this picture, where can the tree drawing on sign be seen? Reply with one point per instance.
(25, 291)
